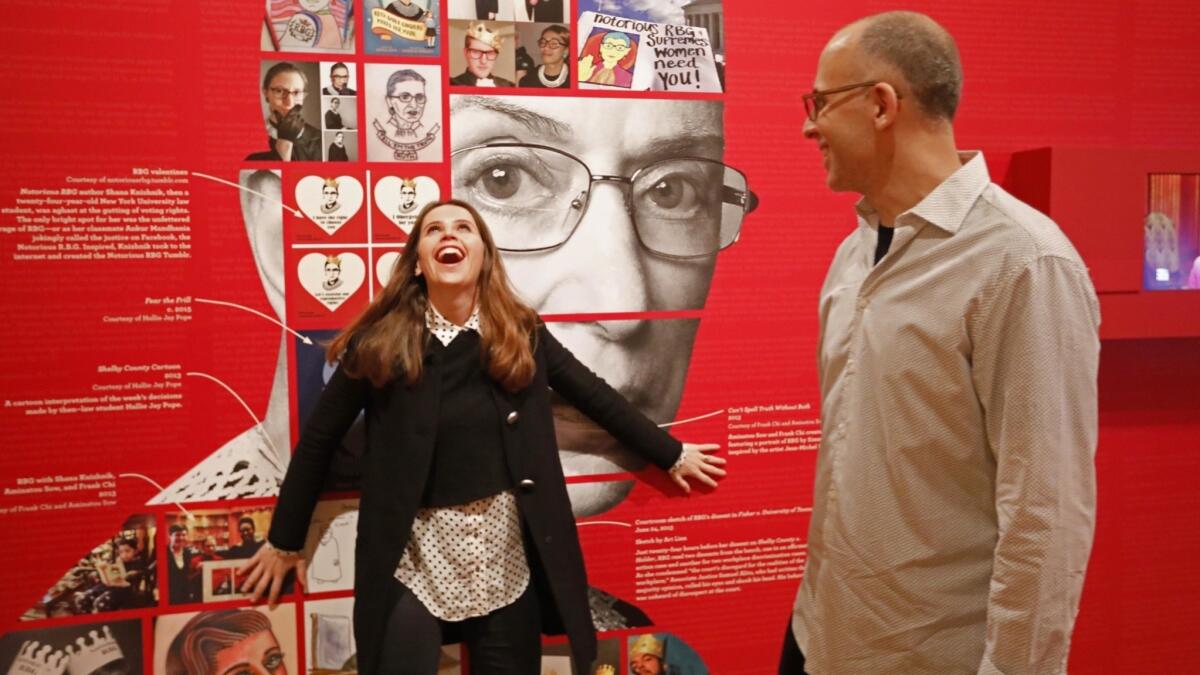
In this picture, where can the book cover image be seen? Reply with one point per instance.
(309, 26)
(403, 27)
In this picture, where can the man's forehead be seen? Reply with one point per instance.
(840, 60)
(481, 46)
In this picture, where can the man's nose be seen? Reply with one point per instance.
(810, 129)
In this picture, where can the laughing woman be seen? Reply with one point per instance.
(464, 527)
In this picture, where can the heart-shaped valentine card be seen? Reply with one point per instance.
(329, 201)
(331, 279)
(401, 199)
(385, 265)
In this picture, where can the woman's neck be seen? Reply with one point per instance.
(456, 304)
(552, 69)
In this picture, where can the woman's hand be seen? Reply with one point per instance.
(699, 465)
(266, 571)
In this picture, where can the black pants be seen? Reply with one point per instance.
(791, 661)
(507, 641)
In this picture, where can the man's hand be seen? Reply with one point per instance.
(698, 464)
(266, 572)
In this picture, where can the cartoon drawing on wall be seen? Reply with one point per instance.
(401, 199)
(405, 20)
(661, 56)
(310, 25)
(214, 642)
(329, 549)
(401, 101)
(608, 57)
(403, 27)
(333, 641)
(329, 201)
(331, 278)
(327, 560)
(252, 463)
(663, 654)
(111, 648)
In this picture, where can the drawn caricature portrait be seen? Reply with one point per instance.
(399, 104)
(608, 58)
(310, 25)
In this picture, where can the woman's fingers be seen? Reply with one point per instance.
(681, 482)
(260, 588)
(276, 589)
(251, 581)
(705, 478)
(302, 572)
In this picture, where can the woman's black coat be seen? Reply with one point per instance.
(401, 421)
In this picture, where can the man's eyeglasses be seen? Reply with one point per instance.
(406, 98)
(480, 55)
(534, 196)
(815, 100)
(280, 92)
(551, 43)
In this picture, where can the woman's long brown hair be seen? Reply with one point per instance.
(388, 339)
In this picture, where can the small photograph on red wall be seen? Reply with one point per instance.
(1172, 233)
(118, 574)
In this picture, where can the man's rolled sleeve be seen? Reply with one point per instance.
(1035, 362)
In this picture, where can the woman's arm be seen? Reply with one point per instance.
(340, 403)
(594, 397)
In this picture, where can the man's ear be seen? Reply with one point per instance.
(887, 105)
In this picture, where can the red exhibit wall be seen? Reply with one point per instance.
(101, 90)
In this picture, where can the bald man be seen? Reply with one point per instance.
(955, 487)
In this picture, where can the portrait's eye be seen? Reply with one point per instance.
(510, 178)
(670, 192)
(677, 189)
(501, 182)
(273, 661)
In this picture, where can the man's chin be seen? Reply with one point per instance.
(591, 499)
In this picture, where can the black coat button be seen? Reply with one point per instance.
(512, 418)
(526, 484)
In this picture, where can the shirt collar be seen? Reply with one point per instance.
(947, 206)
(446, 330)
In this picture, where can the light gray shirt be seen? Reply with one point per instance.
(955, 491)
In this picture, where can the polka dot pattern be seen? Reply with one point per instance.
(466, 560)
(446, 330)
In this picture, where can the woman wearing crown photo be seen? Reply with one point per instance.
(465, 531)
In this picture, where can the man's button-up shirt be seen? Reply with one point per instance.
(955, 490)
